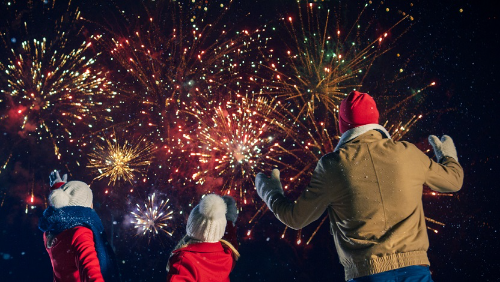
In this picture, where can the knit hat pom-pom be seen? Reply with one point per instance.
(59, 198)
(213, 206)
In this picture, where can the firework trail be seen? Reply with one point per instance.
(399, 121)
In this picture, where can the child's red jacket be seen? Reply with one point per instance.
(73, 256)
(204, 262)
(201, 262)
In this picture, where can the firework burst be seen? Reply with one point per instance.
(151, 218)
(324, 61)
(176, 55)
(48, 85)
(121, 160)
(236, 139)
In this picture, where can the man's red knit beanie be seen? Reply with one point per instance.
(356, 110)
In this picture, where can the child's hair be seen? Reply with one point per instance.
(186, 240)
(234, 252)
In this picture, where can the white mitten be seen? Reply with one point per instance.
(55, 178)
(268, 187)
(444, 147)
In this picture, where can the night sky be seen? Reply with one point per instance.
(452, 43)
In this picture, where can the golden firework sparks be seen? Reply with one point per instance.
(121, 160)
(49, 87)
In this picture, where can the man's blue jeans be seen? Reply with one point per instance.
(414, 273)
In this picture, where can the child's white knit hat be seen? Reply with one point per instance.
(207, 221)
(73, 193)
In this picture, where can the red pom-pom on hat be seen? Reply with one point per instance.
(356, 110)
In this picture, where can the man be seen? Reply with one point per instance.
(371, 187)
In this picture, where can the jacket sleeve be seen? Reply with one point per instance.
(447, 176)
(181, 270)
(311, 204)
(86, 255)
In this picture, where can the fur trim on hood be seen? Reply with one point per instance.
(357, 131)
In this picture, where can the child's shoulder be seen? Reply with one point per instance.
(201, 247)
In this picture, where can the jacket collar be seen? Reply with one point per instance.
(203, 247)
(351, 134)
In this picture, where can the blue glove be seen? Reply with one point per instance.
(444, 147)
(54, 178)
(269, 187)
(232, 210)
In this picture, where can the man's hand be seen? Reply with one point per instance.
(444, 147)
(268, 187)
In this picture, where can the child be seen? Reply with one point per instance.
(202, 255)
(74, 236)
